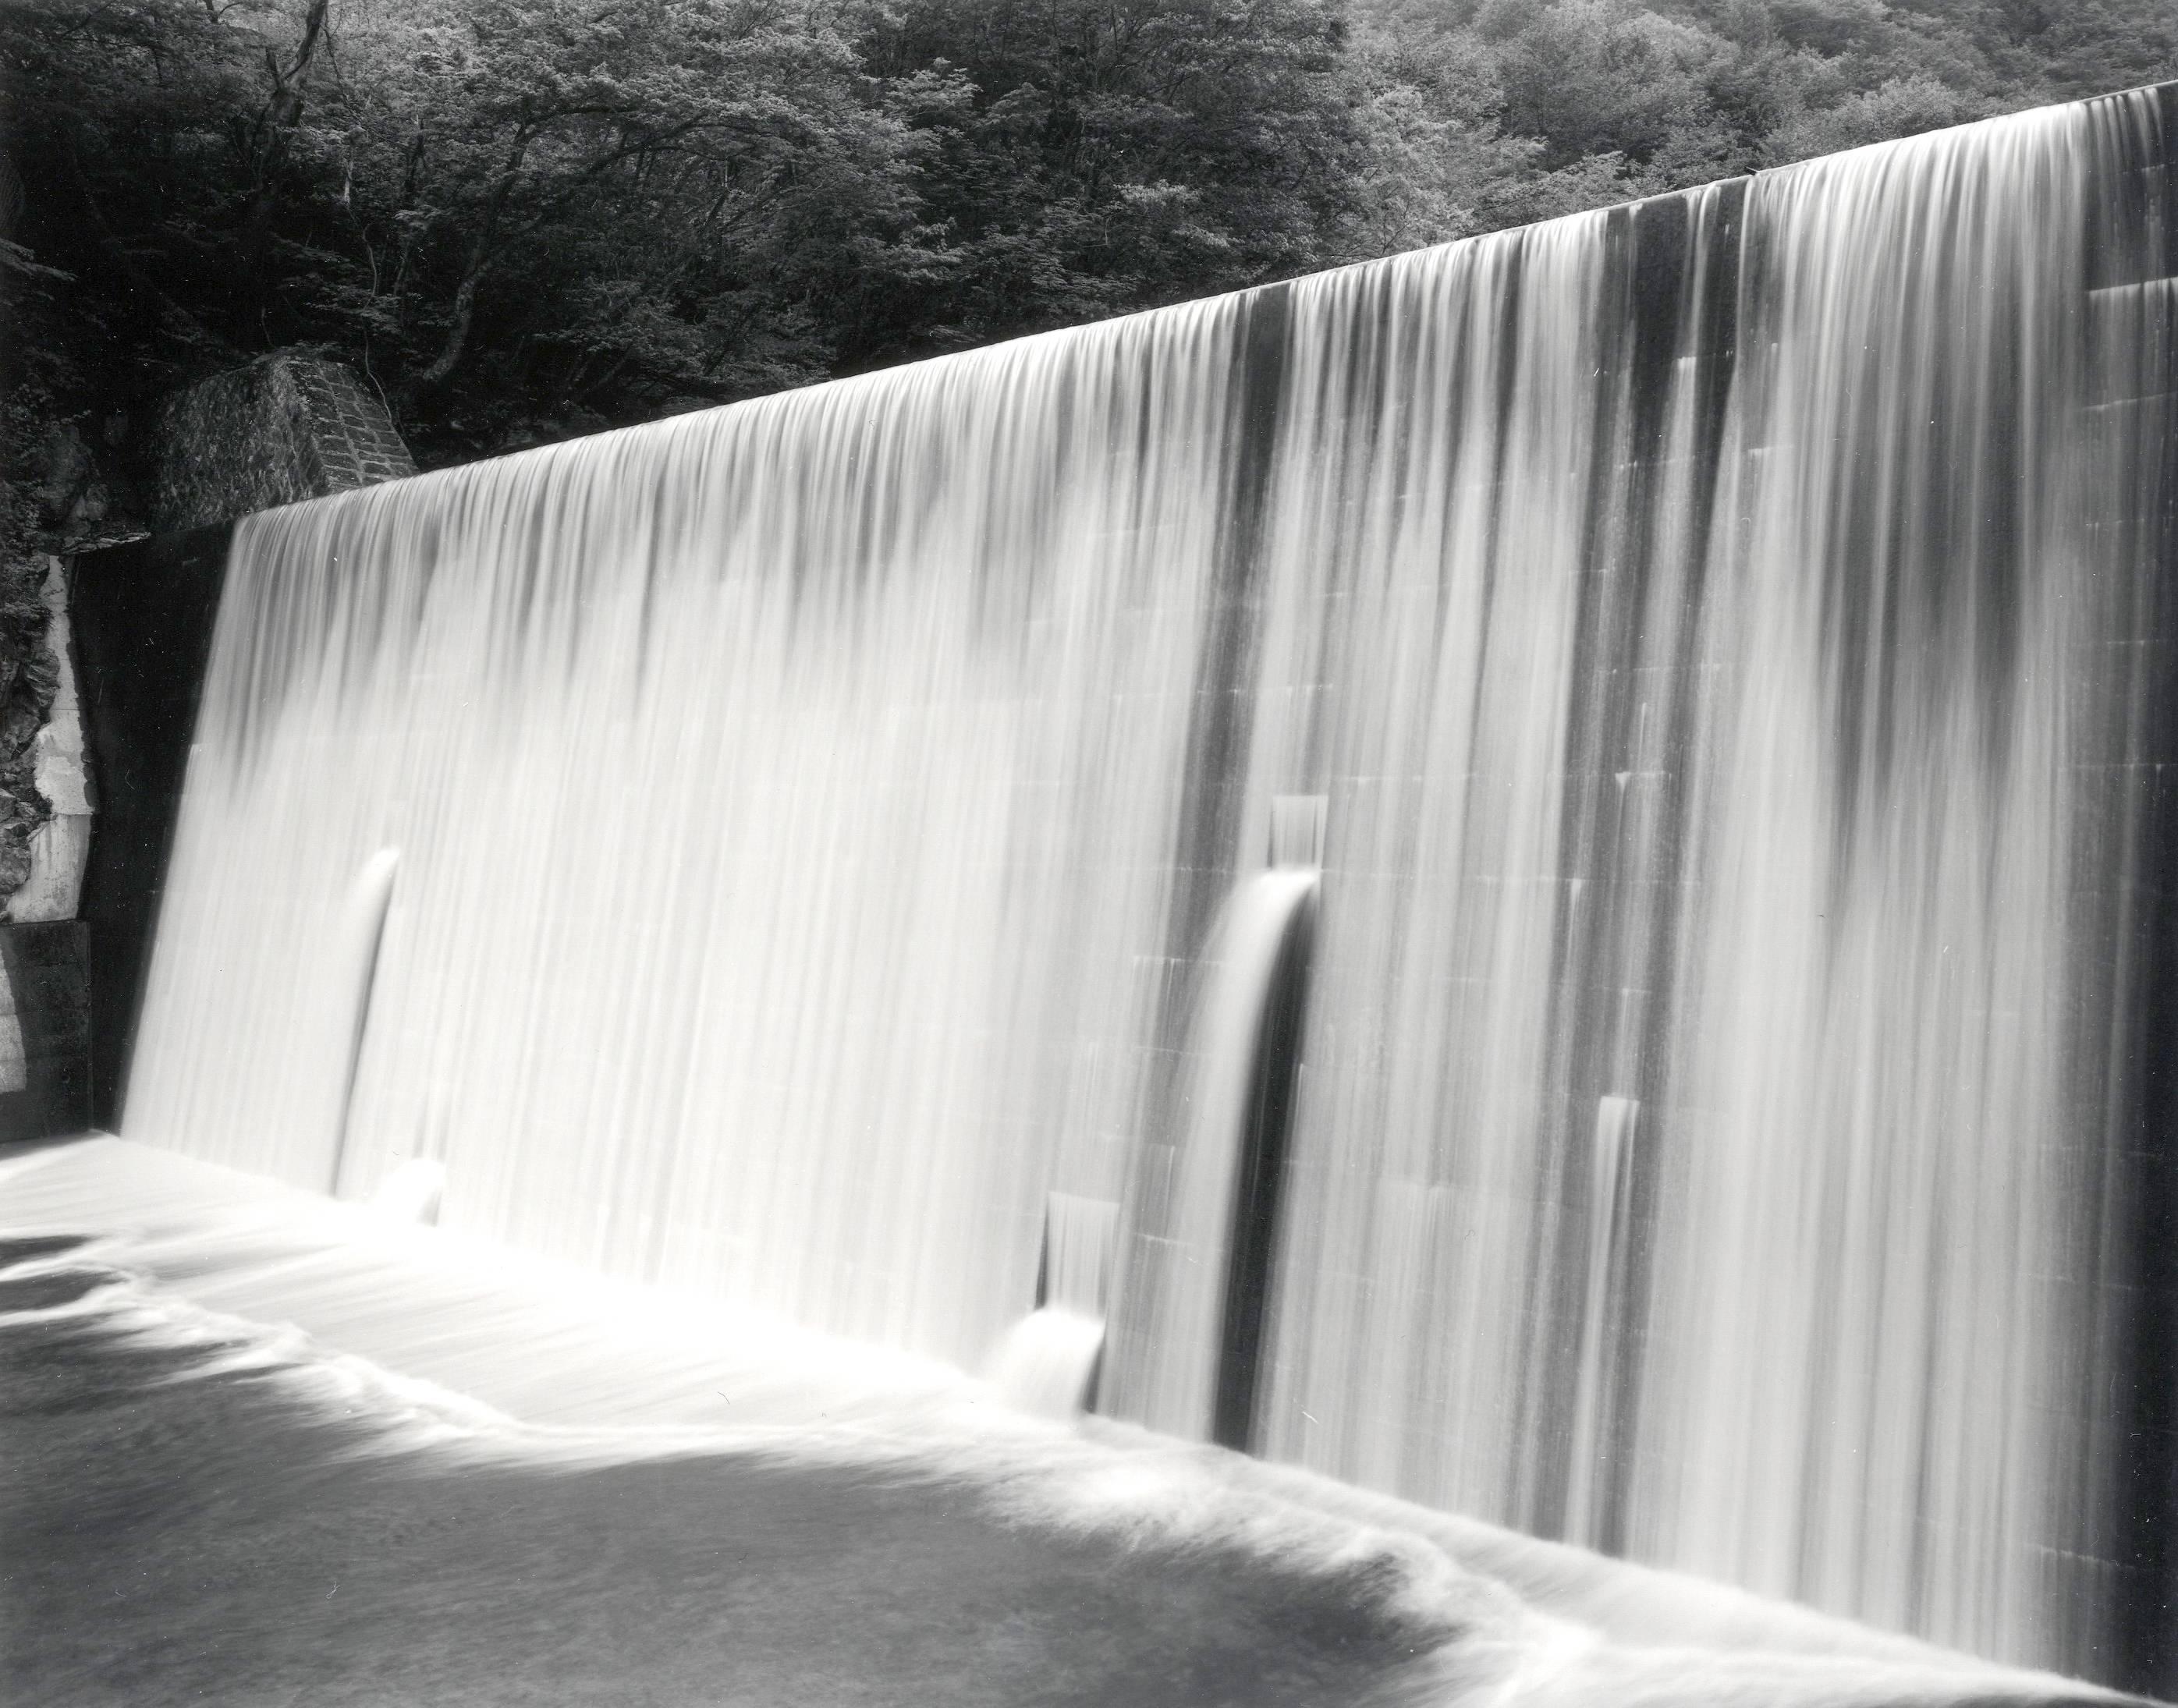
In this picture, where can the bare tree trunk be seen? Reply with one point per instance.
(276, 135)
(479, 261)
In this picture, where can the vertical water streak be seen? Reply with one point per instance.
(1856, 1325)
(1297, 827)
(361, 941)
(1224, 1067)
(1602, 1317)
(1076, 1271)
(1265, 1140)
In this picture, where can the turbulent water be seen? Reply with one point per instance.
(667, 1501)
(773, 851)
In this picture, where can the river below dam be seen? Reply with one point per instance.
(204, 1501)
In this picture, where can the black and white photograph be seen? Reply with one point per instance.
(1088, 853)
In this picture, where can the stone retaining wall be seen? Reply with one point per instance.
(287, 427)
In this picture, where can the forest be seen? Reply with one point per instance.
(522, 220)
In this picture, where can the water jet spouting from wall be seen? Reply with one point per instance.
(1241, 1054)
(1048, 1361)
(350, 975)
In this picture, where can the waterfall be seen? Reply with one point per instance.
(1611, 1233)
(1722, 647)
(353, 966)
(1047, 1363)
(1221, 1173)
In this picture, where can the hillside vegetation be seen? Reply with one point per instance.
(524, 219)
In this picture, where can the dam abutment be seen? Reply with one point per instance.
(144, 615)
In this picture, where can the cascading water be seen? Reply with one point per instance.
(1048, 1360)
(353, 967)
(1191, 1322)
(1728, 636)
(1602, 1319)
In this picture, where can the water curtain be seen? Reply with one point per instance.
(1726, 636)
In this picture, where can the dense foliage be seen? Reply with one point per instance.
(526, 218)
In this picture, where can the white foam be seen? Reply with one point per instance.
(421, 1342)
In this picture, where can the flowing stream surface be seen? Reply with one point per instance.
(778, 853)
(256, 1447)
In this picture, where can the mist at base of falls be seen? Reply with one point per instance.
(211, 1493)
(1717, 661)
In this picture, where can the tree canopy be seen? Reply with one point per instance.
(524, 219)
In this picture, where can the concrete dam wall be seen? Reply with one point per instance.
(1703, 1087)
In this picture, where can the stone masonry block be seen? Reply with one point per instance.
(290, 426)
